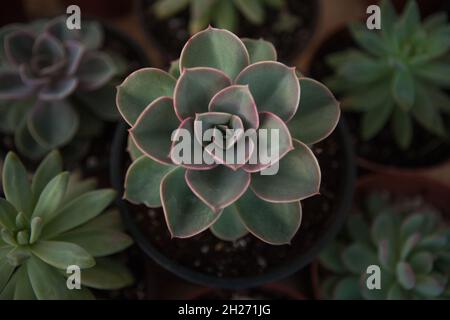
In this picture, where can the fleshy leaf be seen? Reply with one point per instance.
(26, 144)
(405, 275)
(95, 70)
(186, 215)
(59, 90)
(215, 48)
(218, 187)
(62, 254)
(195, 88)
(51, 197)
(7, 216)
(19, 46)
(347, 289)
(357, 257)
(260, 50)
(429, 286)
(153, 130)
(274, 87)
(142, 181)
(135, 93)
(12, 86)
(107, 274)
(298, 177)
(229, 227)
(237, 100)
(274, 223)
(53, 123)
(317, 115)
(49, 168)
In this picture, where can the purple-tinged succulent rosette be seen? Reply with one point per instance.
(223, 83)
(47, 74)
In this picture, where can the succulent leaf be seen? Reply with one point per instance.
(260, 50)
(19, 46)
(229, 226)
(47, 170)
(107, 274)
(62, 254)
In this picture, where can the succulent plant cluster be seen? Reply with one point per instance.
(54, 222)
(220, 13)
(54, 84)
(225, 82)
(407, 239)
(399, 76)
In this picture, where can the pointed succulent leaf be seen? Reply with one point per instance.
(224, 15)
(357, 257)
(37, 225)
(298, 177)
(403, 89)
(421, 262)
(218, 187)
(409, 245)
(16, 186)
(347, 289)
(237, 100)
(383, 228)
(79, 211)
(166, 8)
(77, 187)
(58, 90)
(396, 292)
(12, 86)
(186, 215)
(107, 274)
(135, 93)
(370, 41)
(317, 115)
(91, 35)
(8, 291)
(23, 289)
(388, 18)
(53, 123)
(153, 130)
(6, 269)
(374, 120)
(98, 243)
(95, 70)
(410, 18)
(110, 220)
(133, 150)
(18, 46)
(402, 128)
(7, 215)
(215, 48)
(51, 197)
(253, 10)
(330, 257)
(195, 88)
(275, 223)
(274, 87)
(260, 50)
(229, 226)
(405, 275)
(75, 52)
(26, 144)
(270, 125)
(49, 284)
(387, 254)
(174, 69)
(142, 181)
(49, 168)
(430, 286)
(62, 254)
(49, 47)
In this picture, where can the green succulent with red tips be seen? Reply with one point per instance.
(222, 82)
(406, 238)
(55, 84)
(52, 222)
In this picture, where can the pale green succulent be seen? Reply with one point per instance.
(410, 243)
(225, 82)
(54, 222)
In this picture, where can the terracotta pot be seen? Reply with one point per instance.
(432, 191)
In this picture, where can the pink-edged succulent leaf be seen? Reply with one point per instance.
(53, 123)
(260, 50)
(239, 101)
(405, 275)
(430, 285)
(269, 125)
(19, 47)
(215, 48)
(29, 79)
(57, 27)
(234, 157)
(210, 121)
(317, 115)
(229, 227)
(142, 182)
(12, 86)
(153, 129)
(26, 144)
(186, 215)
(298, 177)
(58, 90)
(274, 87)
(141, 88)
(133, 150)
(95, 70)
(195, 88)
(184, 139)
(48, 54)
(274, 223)
(74, 52)
(218, 187)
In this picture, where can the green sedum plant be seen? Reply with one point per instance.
(407, 240)
(54, 222)
(399, 76)
(221, 13)
(225, 82)
(55, 83)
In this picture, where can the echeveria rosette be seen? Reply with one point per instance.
(226, 83)
(408, 241)
(399, 76)
(51, 80)
(54, 222)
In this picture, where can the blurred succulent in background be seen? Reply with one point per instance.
(407, 240)
(225, 82)
(400, 75)
(54, 84)
(221, 13)
(54, 222)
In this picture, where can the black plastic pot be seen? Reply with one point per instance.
(176, 34)
(344, 197)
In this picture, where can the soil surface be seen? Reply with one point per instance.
(426, 149)
(249, 256)
(172, 33)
